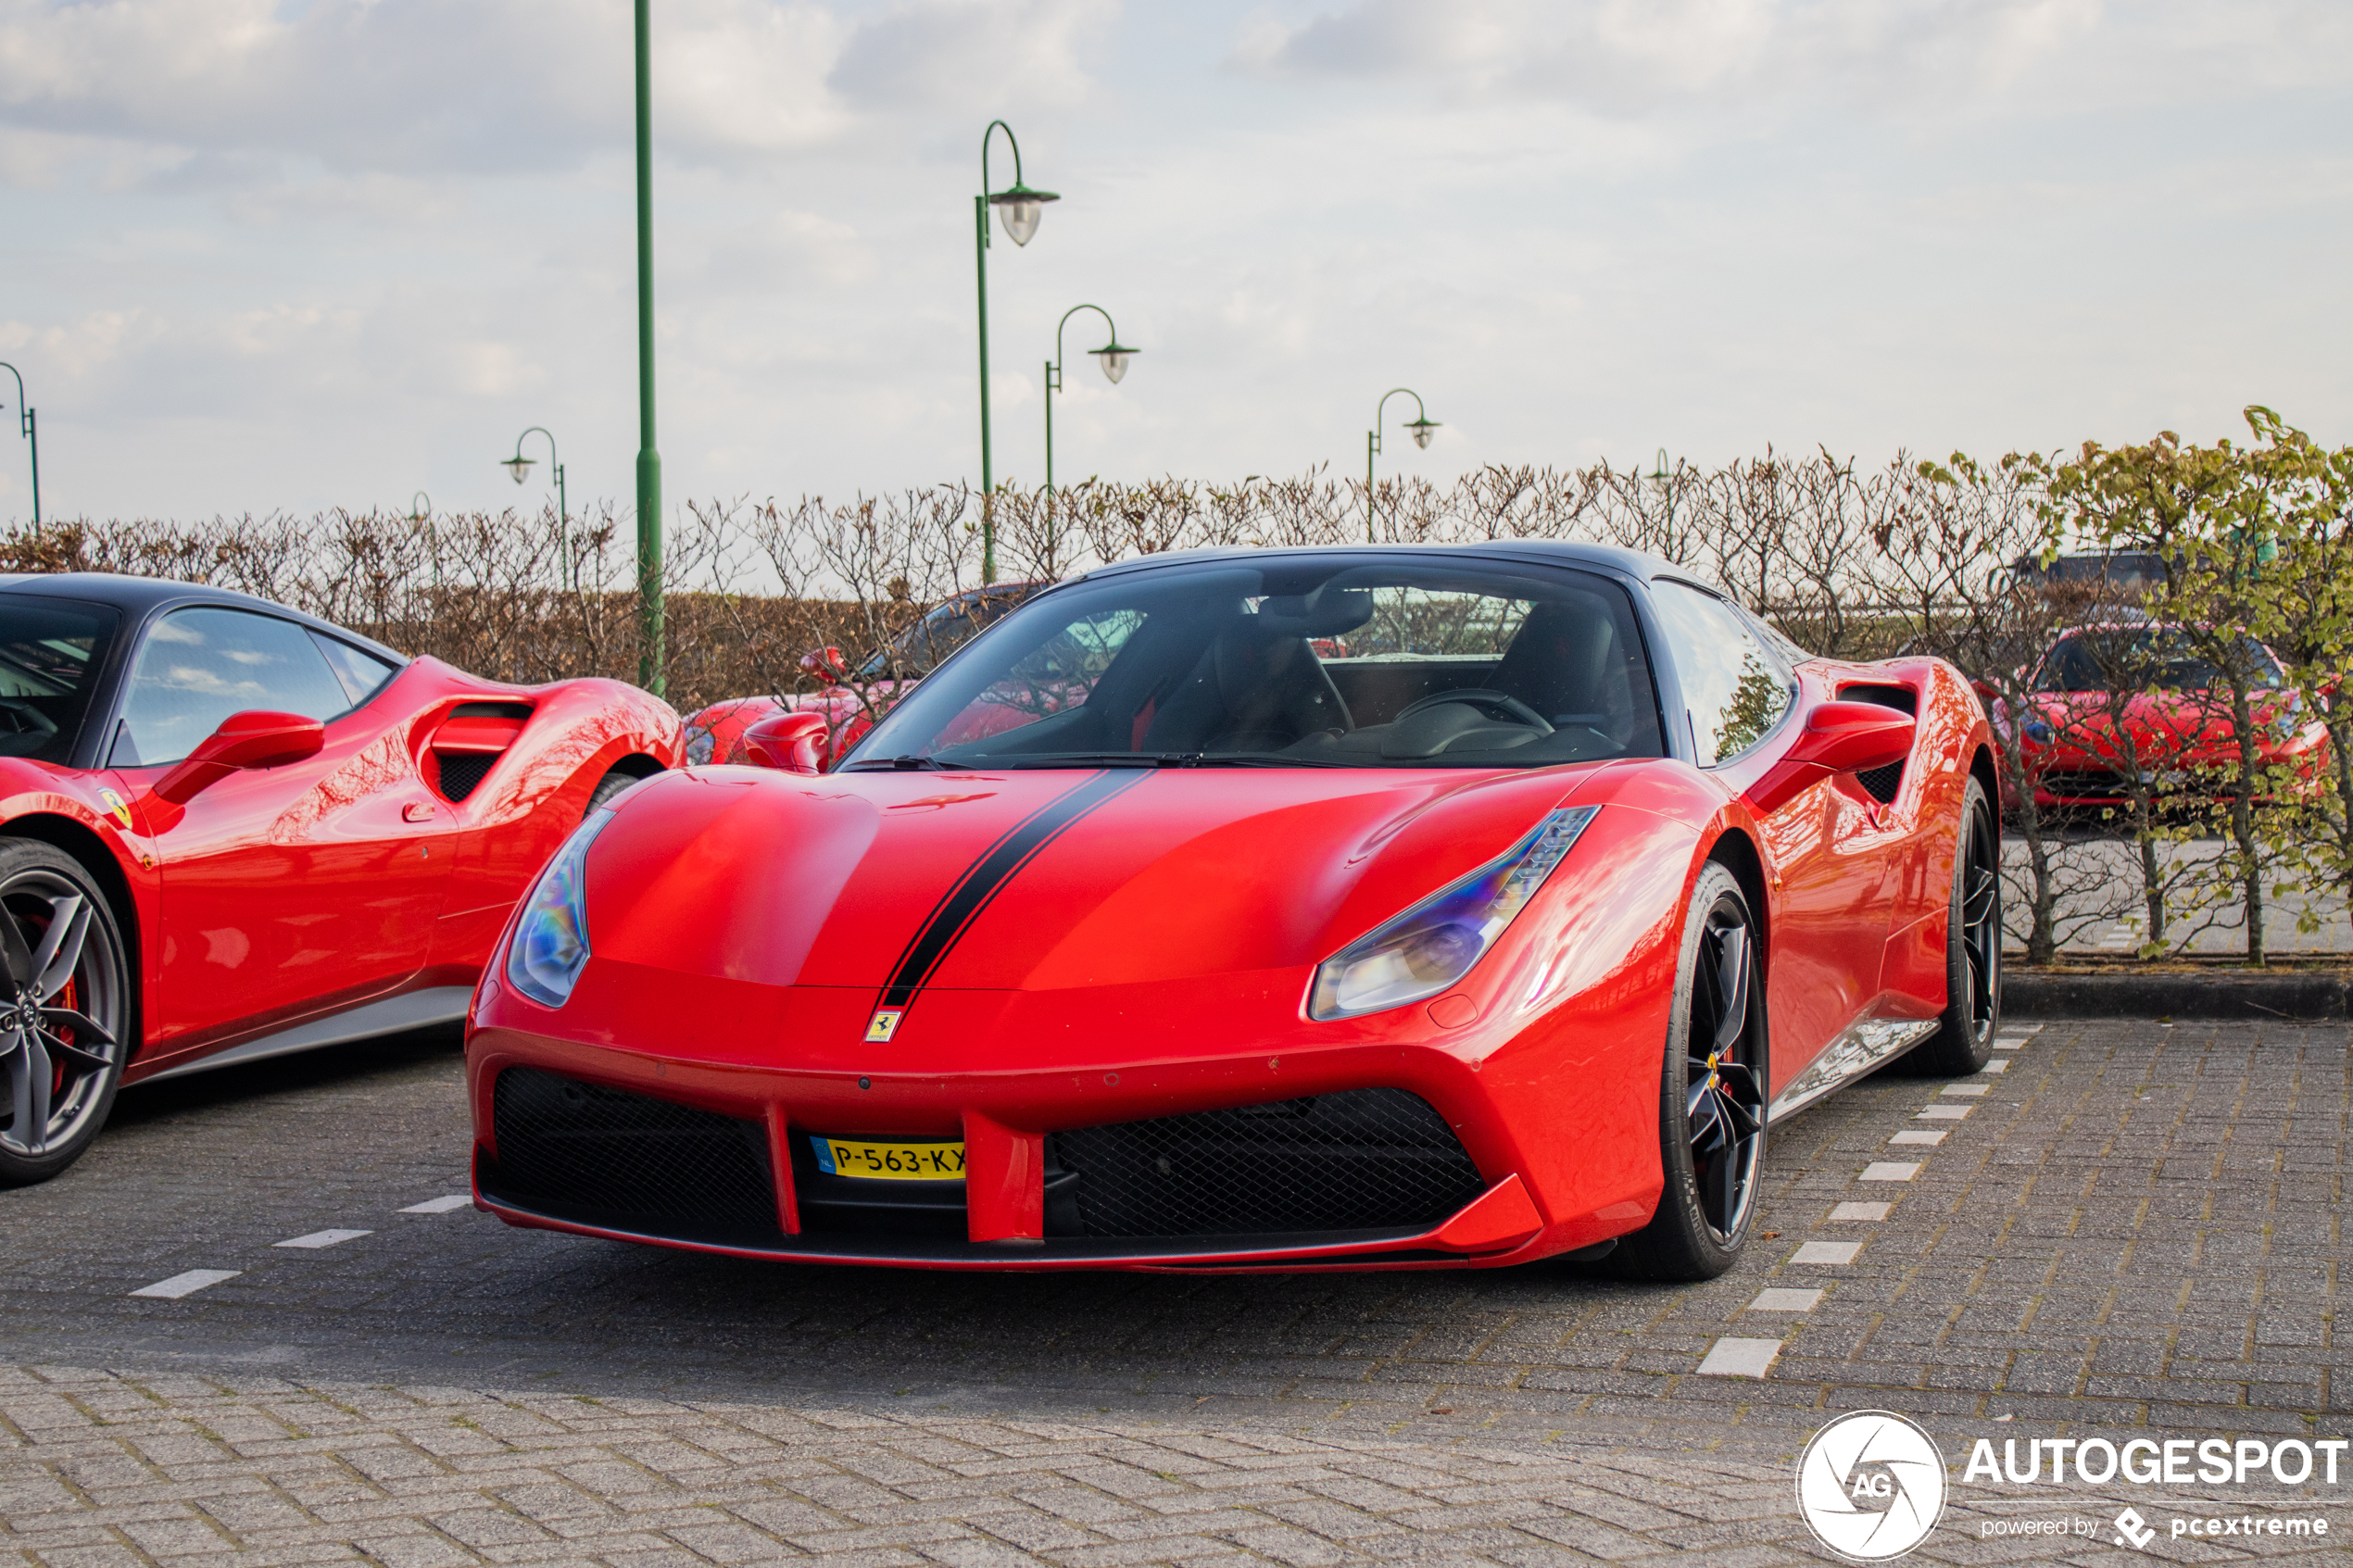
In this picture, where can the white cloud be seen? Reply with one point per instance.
(1629, 57)
(439, 85)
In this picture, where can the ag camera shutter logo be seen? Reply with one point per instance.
(1871, 1486)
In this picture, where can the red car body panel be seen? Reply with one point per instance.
(282, 895)
(1156, 958)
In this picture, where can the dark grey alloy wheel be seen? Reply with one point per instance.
(1964, 1040)
(64, 1015)
(1712, 1102)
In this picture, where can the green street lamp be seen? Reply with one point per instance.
(1421, 424)
(420, 507)
(1113, 356)
(1020, 209)
(1664, 479)
(650, 660)
(26, 426)
(519, 466)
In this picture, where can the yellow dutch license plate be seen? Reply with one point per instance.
(890, 1161)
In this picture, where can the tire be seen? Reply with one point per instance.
(1712, 1095)
(66, 1026)
(608, 786)
(1964, 1039)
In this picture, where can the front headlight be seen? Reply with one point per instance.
(550, 947)
(2037, 733)
(1435, 943)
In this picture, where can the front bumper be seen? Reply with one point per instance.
(1499, 1107)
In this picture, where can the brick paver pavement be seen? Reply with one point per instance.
(2132, 1231)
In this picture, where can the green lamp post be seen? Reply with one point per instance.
(1665, 478)
(520, 467)
(1020, 209)
(26, 426)
(1113, 356)
(420, 507)
(1421, 424)
(650, 660)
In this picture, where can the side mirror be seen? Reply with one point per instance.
(793, 742)
(1839, 737)
(825, 666)
(256, 739)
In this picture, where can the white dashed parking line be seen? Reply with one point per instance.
(1995, 1067)
(1889, 1170)
(1836, 1254)
(1739, 1358)
(1943, 1113)
(1861, 1212)
(1966, 1091)
(440, 1205)
(1781, 1299)
(1914, 1136)
(316, 1239)
(186, 1284)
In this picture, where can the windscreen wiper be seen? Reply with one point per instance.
(906, 765)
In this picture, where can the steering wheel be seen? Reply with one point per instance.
(19, 717)
(1495, 704)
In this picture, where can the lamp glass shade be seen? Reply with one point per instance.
(1114, 361)
(1020, 220)
(1422, 429)
(1019, 209)
(519, 466)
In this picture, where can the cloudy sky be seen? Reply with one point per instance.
(293, 254)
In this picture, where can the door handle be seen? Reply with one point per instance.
(417, 811)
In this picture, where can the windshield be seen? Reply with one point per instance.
(2138, 657)
(1292, 662)
(51, 652)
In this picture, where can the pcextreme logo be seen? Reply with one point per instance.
(1871, 1486)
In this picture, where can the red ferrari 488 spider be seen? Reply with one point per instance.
(1366, 908)
(228, 831)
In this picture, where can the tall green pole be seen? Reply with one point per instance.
(1421, 425)
(650, 662)
(987, 477)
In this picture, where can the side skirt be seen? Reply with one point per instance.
(1859, 1048)
(411, 1009)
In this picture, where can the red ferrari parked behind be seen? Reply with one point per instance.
(228, 831)
(1391, 907)
(2174, 707)
(850, 701)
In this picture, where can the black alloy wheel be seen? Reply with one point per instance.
(64, 1015)
(1964, 1040)
(1712, 1105)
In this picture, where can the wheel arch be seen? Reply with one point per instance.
(90, 852)
(1981, 769)
(636, 765)
(1736, 852)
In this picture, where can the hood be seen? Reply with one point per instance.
(1034, 880)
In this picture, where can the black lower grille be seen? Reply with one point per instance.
(2095, 783)
(461, 770)
(1361, 1160)
(606, 1157)
(1881, 784)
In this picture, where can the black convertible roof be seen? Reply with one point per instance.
(1630, 564)
(139, 598)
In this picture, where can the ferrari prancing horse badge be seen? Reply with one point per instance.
(882, 1025)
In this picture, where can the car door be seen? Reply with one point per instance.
(1824, 848)
(286, 891)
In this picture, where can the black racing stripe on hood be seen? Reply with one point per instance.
(962, 903)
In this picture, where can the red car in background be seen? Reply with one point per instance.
(1402, 907)
(2174, 707)
(230, 831)
(850, 701)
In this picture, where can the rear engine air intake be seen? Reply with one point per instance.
(608, 1157)
(1360, 1159)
